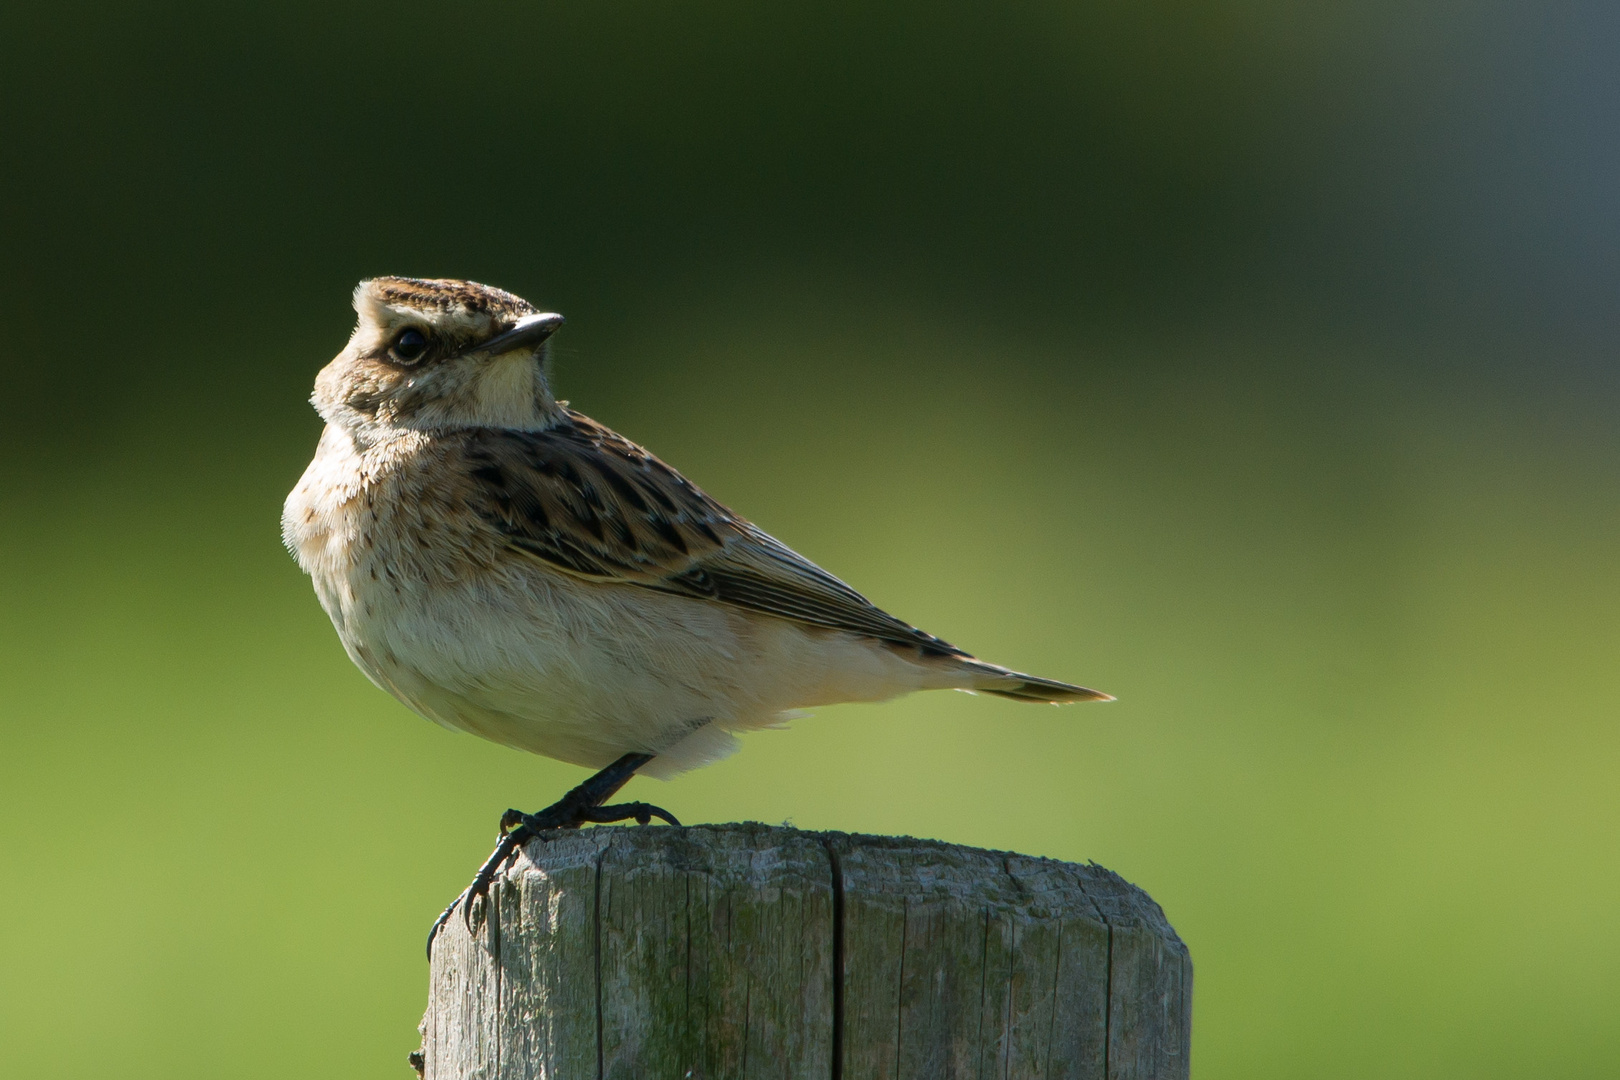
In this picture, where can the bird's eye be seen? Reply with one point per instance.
(409, 346)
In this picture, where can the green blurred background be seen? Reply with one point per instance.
(1252, 361)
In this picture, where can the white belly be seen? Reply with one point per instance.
(587, 672)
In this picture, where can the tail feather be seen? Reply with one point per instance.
(1003, 682)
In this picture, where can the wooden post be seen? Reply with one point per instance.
(742, 951)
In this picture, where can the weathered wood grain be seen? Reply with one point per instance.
(959, 965)
(1149, 985)
(745, 951)
(717, 954)
(516, 998)
(540, 937)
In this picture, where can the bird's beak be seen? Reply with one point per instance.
(528, 333)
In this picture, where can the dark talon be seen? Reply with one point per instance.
(504, 850)
(581, 806)
(642, 813)
(438, 924)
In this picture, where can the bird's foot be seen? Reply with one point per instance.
(566, 815)
(581, 806)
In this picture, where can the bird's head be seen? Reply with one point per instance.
(439, 353)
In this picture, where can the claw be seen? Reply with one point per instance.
(438, 924)
(639, 812)
(504, 850)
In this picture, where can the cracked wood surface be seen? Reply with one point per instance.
(746, 951)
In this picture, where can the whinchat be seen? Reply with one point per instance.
(505, 565)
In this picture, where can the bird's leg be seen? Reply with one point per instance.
(580, 806)
(584, 804)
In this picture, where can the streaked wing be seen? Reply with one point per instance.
(589, 502)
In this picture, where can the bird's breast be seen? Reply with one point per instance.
(382, 524)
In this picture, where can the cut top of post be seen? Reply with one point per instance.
(750, 950)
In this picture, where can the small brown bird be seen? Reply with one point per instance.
(507, 566)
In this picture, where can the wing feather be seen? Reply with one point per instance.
(587, 501)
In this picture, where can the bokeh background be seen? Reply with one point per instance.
(1253, 360)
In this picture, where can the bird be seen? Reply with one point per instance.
(505, 565)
